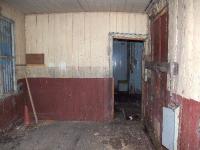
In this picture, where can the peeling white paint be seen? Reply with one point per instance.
(63, 66)
(184, 46)
(80, 40)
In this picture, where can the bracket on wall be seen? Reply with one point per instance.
(170, 68)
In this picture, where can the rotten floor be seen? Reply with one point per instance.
(116, 135)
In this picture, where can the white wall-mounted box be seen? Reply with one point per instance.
(170, 127)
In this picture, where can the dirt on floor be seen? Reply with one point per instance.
(116, 135)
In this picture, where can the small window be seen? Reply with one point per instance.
(7, 59)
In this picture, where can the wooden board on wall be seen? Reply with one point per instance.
(35, 59)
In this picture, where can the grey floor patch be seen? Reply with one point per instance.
(117, 135)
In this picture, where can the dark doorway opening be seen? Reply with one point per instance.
(127, 73)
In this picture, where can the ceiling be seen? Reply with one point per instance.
(52, 6)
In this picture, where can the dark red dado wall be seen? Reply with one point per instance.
(12, 108)
(189, 127)
(189, 134)
(87, 99)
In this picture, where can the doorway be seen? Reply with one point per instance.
(127, 74)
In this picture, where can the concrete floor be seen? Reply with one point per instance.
(117, 135)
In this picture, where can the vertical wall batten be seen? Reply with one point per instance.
(78, 43)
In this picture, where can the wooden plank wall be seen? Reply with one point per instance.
(76, 44)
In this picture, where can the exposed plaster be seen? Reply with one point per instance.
(184, 46)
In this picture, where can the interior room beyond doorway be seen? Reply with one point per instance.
(127, 73)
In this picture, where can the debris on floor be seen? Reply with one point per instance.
(127, 111)
(116, 135)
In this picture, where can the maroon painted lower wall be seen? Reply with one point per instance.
(87, 99)
(189, 128)
(12, 108)
(189, 137)
(61, 99)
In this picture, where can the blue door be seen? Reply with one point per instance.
(135, 71)
(120, 65)
(127, 66)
